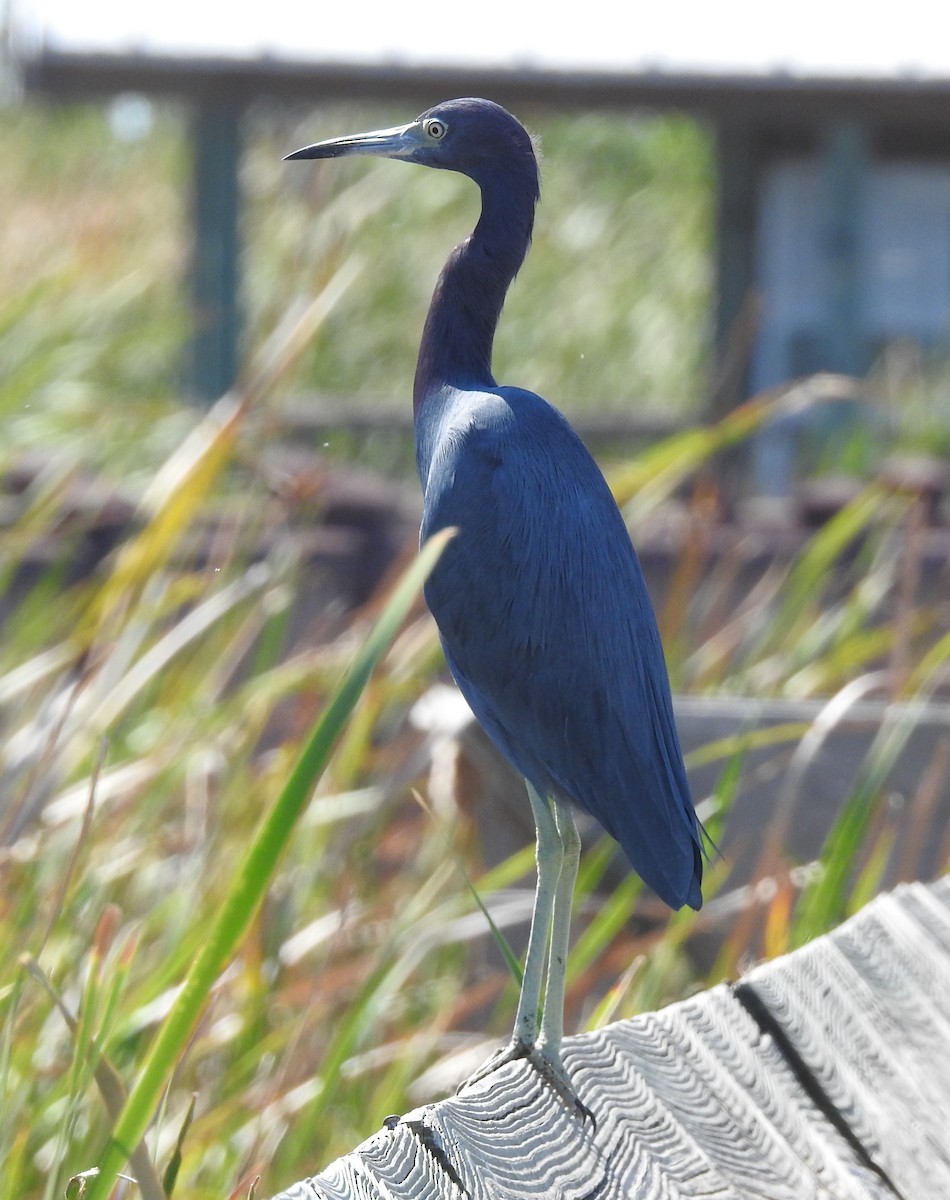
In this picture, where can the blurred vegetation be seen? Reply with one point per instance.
(630, 192)
(153, 708)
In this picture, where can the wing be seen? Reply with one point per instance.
(550, 634)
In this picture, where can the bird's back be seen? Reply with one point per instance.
(548, 627)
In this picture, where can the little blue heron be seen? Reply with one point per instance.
(539, 600)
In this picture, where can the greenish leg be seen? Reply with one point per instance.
(549, 855)
(552, 1024)
(558, 852)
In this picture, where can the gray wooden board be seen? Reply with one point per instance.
(841, 1091)
(866, 1008)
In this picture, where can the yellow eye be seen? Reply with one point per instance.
(436, 129)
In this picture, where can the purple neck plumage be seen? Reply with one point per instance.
(459, 331)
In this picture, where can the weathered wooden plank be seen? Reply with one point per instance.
(930, 909)
(821, 1162)
(823, 1074)
(704, 1061)
(859, 1042)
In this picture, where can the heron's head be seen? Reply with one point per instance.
(475, 137)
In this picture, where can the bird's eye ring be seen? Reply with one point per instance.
(436, 129)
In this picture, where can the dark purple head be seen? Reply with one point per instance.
(476, 137)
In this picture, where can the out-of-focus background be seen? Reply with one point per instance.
(739, 291)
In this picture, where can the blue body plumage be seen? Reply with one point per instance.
(548, 629)
(539, 600)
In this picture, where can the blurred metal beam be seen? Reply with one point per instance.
(784, 99)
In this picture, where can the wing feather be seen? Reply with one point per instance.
(549, 630)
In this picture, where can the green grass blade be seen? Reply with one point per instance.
(815, 564)
(512, 961)
(613, 915)
(254, 875)
(825, 903)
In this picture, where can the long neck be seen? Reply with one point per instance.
(460, 328)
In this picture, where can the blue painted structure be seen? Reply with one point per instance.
(852, 262)
(540, 601)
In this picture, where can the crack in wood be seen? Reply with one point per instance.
(769, 1025)
(428, 1140)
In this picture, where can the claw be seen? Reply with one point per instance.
(552, 1070)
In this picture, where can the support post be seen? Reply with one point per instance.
(846, 156)
(735, 231)
(215, 271)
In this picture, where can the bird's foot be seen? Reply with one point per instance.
(515, 1049)
(546, 1062)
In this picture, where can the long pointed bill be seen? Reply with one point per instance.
(397, 142)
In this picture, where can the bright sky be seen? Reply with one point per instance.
(844, 37)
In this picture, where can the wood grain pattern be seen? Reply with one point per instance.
(824, 1074)
(874, 1039)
